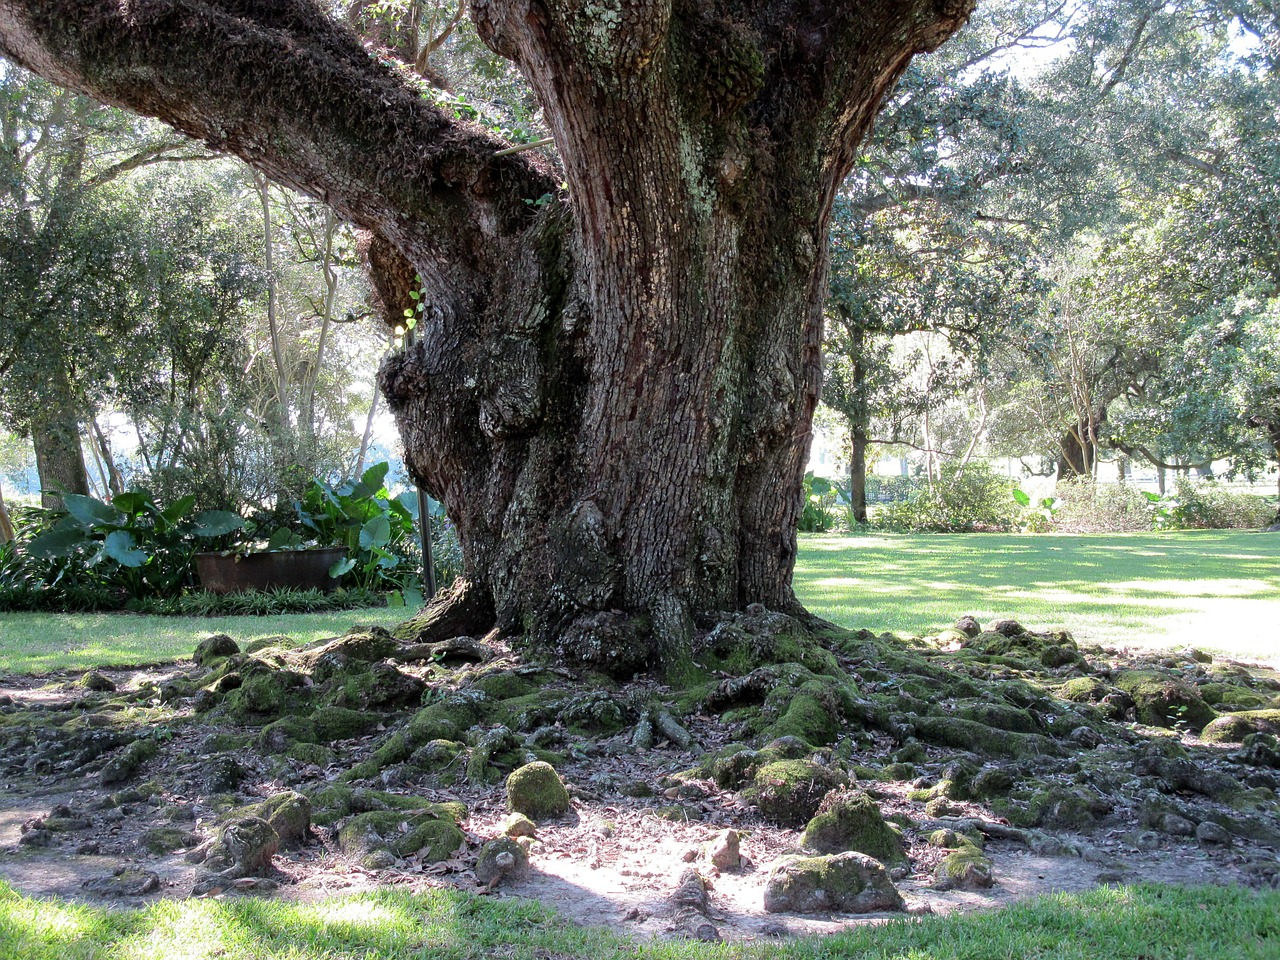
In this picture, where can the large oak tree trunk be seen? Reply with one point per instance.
(612, 385)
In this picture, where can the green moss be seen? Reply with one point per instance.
(504, 685)
(162, 840)
(808, 718)
(965, 866)
(126, 763)
(288, 813)
(432, 835)
(1235, 696)
(997, 715)
(969, 735)
(278, 735)
(447, 720)
(332, 803)
(1229, 728)
(265, 691)
(892, 772)
(1083, 690)
(1163, 701)
(339, 723)
(677, 813)
(851, 820)
(536, 791)
(789, 792)
(1064, 808)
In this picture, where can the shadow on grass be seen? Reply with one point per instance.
(1110, 588)
(1119, 923)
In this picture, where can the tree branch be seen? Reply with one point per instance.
(295, 95)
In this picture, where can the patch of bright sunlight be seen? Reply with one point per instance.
(1192, 588)
(40, 922)
(191, 930)
(869, 586)
(355, 912)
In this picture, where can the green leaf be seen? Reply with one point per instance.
(1022, 499)
(408, 501)
(90, 511)
(58, 542)
(820, 486)
(130, 502)
(282, 538)
(178, 509)
(216, 523)
(342, 567)
(371, 482)
(375, 533)
(123, 549)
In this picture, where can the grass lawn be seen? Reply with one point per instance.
(1116, 923)
(1219, 590)
(41, 642)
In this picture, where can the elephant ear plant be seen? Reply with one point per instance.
(131, 544)
(378, 530)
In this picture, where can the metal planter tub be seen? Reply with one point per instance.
(298, 569)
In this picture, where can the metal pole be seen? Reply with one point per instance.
(428, 562)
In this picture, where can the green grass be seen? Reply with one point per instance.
(43, 642)
(1116, 923)
(1216, 589)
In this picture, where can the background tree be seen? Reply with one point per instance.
(73, 265)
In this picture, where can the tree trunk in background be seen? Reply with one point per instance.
(612, 387)
(6, 525)
(55, 434)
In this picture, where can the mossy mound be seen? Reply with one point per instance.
(1234, 727)
(1064, 808)
(789, 792)
(1084, 690)
(851, 820)
(537, 791)
(1164, 701)
(260, 689)
(377, 839)
(961, 734)
(162, 840)
(1015, 643)
(332, 803)
(965, 867)
(128, 761)
(288, 813)
(214, 647)
(844, 882)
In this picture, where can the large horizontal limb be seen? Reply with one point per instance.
(295, 95)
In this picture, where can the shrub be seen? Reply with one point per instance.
(819, 499)
(1085, 506)
(967, 497)
(1209, 506)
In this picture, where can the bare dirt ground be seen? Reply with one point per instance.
(612, 860)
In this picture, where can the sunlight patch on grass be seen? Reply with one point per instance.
(1214, 589)
(43, 642)
(1119, 923)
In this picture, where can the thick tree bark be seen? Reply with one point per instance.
(611, 388)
